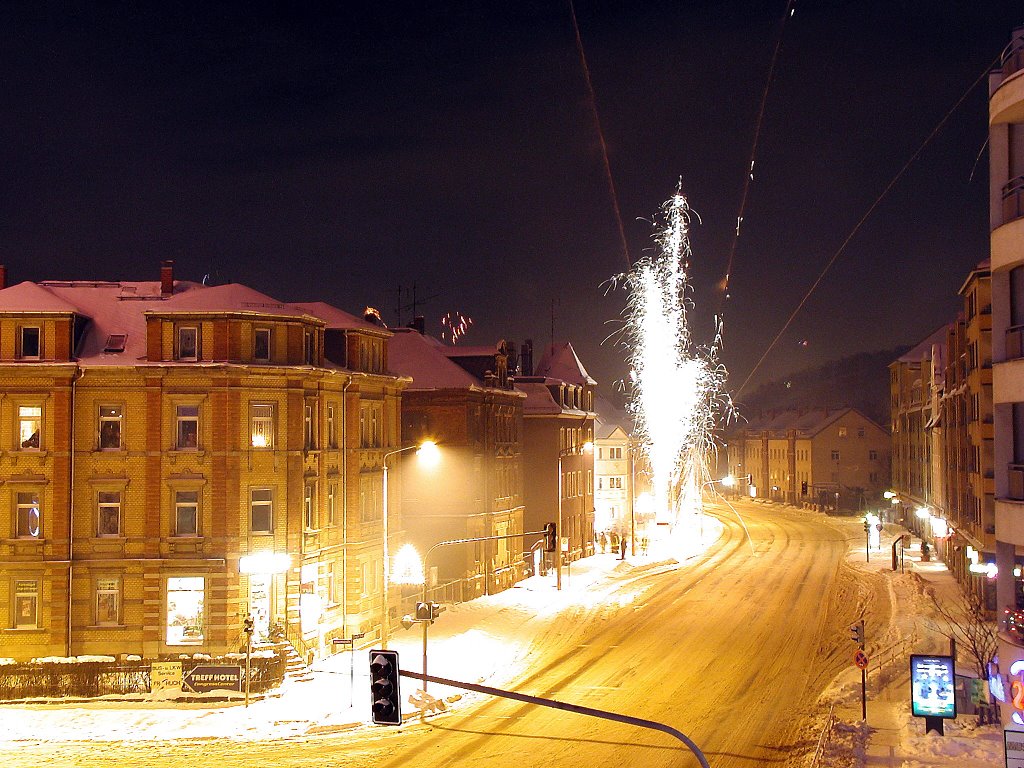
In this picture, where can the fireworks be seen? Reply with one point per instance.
(677, 388)
(455, 325)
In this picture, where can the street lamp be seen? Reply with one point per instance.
(585, 448)
(427, 450)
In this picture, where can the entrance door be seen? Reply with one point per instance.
(259, 605)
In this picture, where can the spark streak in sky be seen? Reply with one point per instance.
(677, 388)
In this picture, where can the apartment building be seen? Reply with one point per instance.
(175, 457)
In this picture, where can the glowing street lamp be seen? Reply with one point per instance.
(429, 453)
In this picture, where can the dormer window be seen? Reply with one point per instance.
(30, 345)
(261, 345)
(188, 343)
(115, 342)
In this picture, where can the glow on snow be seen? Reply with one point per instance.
(677, 389)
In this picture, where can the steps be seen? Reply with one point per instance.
(295, 667)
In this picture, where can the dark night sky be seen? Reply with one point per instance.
(342, 151)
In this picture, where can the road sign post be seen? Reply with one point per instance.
(350, 642)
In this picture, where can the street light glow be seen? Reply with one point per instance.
(407, 567)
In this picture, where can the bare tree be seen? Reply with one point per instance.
(966, 624)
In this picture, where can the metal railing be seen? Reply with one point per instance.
(1013, 199)
(1015, 482)
(824, 737)
(1013, 55)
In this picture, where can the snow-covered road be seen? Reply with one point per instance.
(732, 646)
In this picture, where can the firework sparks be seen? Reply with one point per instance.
(677, 388)
(455, 325)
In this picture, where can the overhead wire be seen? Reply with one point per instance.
(892, 183)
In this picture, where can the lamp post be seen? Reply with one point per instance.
(586, 447)
(426, 448)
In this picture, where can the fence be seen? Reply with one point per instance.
(86, 679)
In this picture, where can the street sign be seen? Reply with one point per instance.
(212, 677)
(860, 659)
(1013, 745)
(164, 676)
(565, 544)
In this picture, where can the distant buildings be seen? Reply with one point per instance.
(829, 459)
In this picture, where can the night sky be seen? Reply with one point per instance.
(345, 151)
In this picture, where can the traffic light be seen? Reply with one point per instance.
(426, 612)
(857, 633)
(803, 488)
(386, 701)
(550, 537)
(247, 625)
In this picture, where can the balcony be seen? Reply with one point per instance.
(1015, 342)
(1013, 199)
(1013, 55)
(1015, 482)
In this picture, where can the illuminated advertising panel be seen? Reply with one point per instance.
(931, 686)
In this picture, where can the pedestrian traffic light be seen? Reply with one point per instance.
(426, 612)
(550, 537)
(803, 488)
(386, 701)
(857, 633)
(247, 625)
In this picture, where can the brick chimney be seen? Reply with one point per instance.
(526, 358)
(419, 324)
(3, 276)
(166, 277)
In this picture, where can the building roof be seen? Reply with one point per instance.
(30, 297)
(337, 319)
(423, 358)
(609, 418)
(560, 362)
(923, 351)
(808, 422)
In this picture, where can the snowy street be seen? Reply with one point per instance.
(732, 646)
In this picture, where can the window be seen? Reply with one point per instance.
(309, 508)
(307, 348)
(261, 510)
(108, 519)
(110, 427)
(842, 431)
(261, 345)
(590, 482)
(26, 604)
(186, 513)
(331, 584)
(115, 342)
(188, 343)
(108, 601)
(27, 525)
(835, 455)
(262, 425)
(370, 497)
(873, 455)
(332, 490)
(332, 430)
(30, 346)
(187, 427)
(860, 431)
(308, 434)
(30, 422)
(186, 599)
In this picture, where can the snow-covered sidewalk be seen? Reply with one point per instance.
(892, 736)
(485, 640)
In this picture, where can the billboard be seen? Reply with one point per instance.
(932, 693)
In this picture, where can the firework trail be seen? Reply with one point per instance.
(678, 393)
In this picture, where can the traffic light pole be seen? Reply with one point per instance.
(591, 712)
(448, 543)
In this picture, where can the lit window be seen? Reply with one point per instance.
(332, 432)
(110, 427)
(261, 344)
(331, 495)
(309, 508)
(108, 601)
(307, 427)
(30, 343)
(26, 604)
(261, 510)
(186, 513)
(187, 427)
(842, 431)
(188, 343)
(108, 522)
(28, 523)
(30, 420)
(262, 425)
(186, 599)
